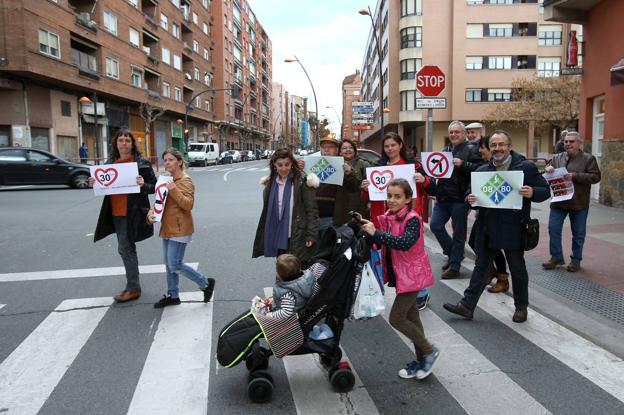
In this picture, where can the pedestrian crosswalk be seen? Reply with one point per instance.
(179, 371)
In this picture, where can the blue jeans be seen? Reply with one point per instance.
(174, 254)
(578, 220)
(452, 247)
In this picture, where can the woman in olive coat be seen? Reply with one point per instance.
(289, 220)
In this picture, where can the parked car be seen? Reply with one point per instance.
(251, 155)
(371, 156)
(244, 156)
(25, 166)
(229, 157)
(267, 154)
(203, 153)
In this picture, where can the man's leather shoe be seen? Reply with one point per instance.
(520, 316)
(574, 266)
(459, 309)
(552, 263)
(125, 296)
(450, 274)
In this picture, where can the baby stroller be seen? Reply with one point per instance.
(239, 340)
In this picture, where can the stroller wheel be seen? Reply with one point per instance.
(342, 380)
(260, 390)
(259, 374)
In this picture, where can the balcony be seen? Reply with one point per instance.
(568, 11)
(82, 10)
(84, 56)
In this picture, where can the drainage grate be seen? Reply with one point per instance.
(601, 300)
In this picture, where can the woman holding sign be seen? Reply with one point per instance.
(289, 221)
(394, 153)
(124, 214)
(355, 173)
(176, 230)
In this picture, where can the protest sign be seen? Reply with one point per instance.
(111, 179)
(379, 177)
(498, 189)
(161, 196)
(562, 189)
(438, 164)
(328, 169)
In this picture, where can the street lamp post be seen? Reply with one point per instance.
(235, 91)
(368, 12)
(313, 92)
(339, 118)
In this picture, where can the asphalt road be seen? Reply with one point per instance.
(487, 366)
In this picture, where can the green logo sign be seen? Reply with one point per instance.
(496, 188)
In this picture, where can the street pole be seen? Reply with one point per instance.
(379, 59)
(430, 129)
(339, 119)
(315, 100)
(97, 132)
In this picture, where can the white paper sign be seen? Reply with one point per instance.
(112, 179)
(379, 177)
(161, 196)
(498, 189)
(438, 164)
(328, 169)
(562, 189)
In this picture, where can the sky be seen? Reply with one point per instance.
(327, 36)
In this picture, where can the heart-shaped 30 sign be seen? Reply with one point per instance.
(381, 179)
(106, 177)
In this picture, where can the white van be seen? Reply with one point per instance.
(203, 153)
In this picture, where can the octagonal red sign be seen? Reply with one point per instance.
(430, 81)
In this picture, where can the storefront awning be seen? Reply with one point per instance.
(617, 73)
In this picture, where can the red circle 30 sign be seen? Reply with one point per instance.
(430, 81)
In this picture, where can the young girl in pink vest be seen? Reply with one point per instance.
(406, 267)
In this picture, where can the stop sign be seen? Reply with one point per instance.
(430, 81)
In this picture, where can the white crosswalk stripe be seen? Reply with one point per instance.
(589, 360)
(178, 364)
(466, 373)
(28, 376)
(312, 392)
(82, 273)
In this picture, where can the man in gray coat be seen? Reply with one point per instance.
(583, 170)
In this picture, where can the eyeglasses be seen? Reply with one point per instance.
(569, 141)
(497, 145)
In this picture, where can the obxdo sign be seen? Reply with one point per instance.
(430, 81)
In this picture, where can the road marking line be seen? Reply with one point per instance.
(596, 364)
(253, 168)
(2, 305)
(313, 393)
(30, 374)
(82, 273)
(226, 174)
(177, 368)
(466, 373)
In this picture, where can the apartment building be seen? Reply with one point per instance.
(244, 55)
(119, 53)
(56, 54)
(480, 45)
(351, 86)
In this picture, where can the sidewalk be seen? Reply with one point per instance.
(599, 285)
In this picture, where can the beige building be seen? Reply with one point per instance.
(351, 86)
(480, 45)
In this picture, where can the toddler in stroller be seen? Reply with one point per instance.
(343, 255)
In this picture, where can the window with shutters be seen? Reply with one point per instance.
(549, 35)
(474, 62)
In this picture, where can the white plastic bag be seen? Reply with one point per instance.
(369, 301)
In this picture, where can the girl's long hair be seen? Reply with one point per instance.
(114, 151)
(283, 153)
(393, 136)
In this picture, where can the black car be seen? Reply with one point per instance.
(22, 166)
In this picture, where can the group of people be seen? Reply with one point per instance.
(297, 208)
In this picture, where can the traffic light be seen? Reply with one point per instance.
(236, 91)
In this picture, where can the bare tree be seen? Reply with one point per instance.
(149, 113)
(540, 100)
